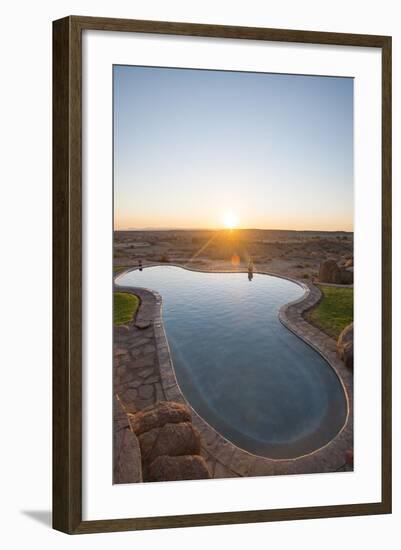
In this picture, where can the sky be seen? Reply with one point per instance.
(201, 149)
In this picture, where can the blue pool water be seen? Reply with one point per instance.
(248, 376)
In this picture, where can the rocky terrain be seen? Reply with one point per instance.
(293, 253)
(345, 346)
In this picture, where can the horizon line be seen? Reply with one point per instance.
(232, 229)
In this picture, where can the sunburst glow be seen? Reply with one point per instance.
(230, 220)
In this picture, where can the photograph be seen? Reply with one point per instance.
(233, 274)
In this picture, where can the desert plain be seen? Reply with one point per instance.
(296, 254)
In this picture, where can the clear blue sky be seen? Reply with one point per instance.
(195, 147)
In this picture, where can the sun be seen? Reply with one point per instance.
(230, 220)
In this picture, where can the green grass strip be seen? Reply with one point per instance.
(335, 311)
(125, 306)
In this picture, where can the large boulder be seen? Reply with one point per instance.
(127, 453)
(174, 468)
(171, 439)
(345, 346)
(168, 442)
(347, 276)
(329, 272)
(156, 416)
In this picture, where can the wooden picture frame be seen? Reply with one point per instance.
(67, 273)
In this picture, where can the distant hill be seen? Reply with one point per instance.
(261, 233)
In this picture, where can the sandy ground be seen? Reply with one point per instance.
(296, 254)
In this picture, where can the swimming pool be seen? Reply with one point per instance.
(248, 376)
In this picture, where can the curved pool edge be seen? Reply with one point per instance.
(278, 275)
(329, 458)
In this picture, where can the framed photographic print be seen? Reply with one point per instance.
(222, 274)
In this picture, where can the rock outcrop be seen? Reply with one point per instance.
(169, 443)
(347, 276)
(127, 467)
(170, 439)
(164, 412)
(177, 468)
(345, 346)
(330, 272)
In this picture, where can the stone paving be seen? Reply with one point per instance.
(140, 349)
(144, 374)
(136, 380)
